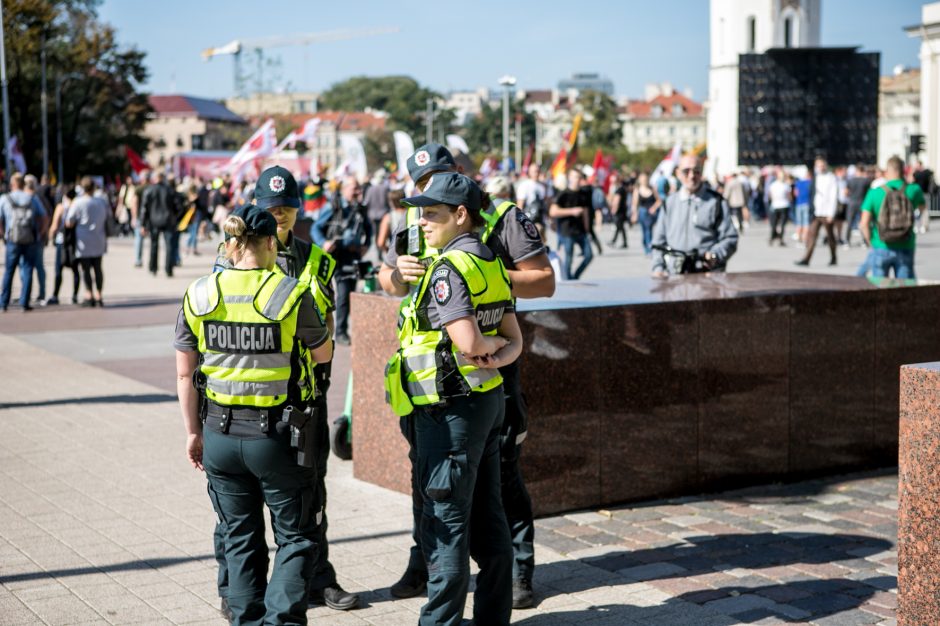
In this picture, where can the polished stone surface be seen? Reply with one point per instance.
(919, 496)
(641, 388)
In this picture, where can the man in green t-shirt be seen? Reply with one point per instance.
(897, 256)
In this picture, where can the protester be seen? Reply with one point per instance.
(780, 191)
(621, 193)
(63, 237)
(645, 204)
(375, 199)
(88, 215)
(825, 205)
(712, 241)
(31, 185)
(22, 222)
(857, 187)
(572, 208)
(159, 215)
(898, 198)
(532, 197)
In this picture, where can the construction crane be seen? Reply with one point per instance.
(235, 48)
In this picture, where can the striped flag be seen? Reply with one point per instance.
(569, 152)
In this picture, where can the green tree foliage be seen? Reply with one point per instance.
(401, 97)
(102, 107)
(601, 128)
(484, 133)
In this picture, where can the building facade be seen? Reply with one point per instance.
(929, 33)
(583, 81)
(898, 113)
(184, 123)
(740, 27)
(273, 104)
(664, 118)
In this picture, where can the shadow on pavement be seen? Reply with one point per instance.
(797, 601)
(141, 398)
(127, 566)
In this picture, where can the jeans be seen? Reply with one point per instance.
(567, 244)
(36, 251)
(802, 215)
(344, 286)
(883, 261)
(138, 247)
(193, 231)
(647, 221)
(17, 253)
(168, 262)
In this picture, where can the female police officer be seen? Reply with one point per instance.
(248, 330)
(458, 327)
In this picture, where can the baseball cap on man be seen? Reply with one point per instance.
(277, 187)
(448, 188)
(431, 157)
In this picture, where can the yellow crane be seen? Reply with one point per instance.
(236, 47)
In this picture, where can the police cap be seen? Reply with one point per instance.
(277, 187)
(431, 157)
(449, 188)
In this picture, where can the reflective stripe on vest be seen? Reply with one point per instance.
(421, 350)
(246, 323)
(492, 215)
(317, 271)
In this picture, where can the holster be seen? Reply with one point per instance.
(302, 434)
(199, 384)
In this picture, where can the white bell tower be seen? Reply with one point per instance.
(739, 27)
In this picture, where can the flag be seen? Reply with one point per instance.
(569, 152)
(258, 146)
(404, 148)
(306, 133)
(354, 158)
(456, 143)
(668, 164)
(527, 161)
(16, 155)
(138, 164)
(602, 166)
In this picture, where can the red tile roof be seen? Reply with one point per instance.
(644, 108)
(342, 120)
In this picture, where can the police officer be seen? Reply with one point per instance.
(277, 191)
(248, 334)
(457, 328)
(513, 237)
(694, 221)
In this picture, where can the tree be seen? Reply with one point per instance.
(601, 126)
(102, 108)
(484, 133)
(401, 97)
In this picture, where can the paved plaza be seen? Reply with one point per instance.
(102, 520)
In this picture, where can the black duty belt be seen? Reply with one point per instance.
(219, 417)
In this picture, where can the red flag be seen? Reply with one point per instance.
(528, 158)
(138, 164)
(602, 166)
(569, 152)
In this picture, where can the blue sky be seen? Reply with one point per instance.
(473, 44)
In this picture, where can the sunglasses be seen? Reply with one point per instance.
(690, 170)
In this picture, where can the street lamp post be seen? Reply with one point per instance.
(429, 121)
(6, 100)
(44, 104)
(507, 82)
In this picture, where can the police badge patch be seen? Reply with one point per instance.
(277, 184)
(441, 289)
(422, 158)
(530, 230)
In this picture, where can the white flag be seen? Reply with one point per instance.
(16, 155)
(404, 148)
(354, 157)
(258, 146)
(307, 134)
(455, 143)
(668, 164)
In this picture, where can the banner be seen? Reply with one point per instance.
(354, 158)
(404, 148)
(16, 155)
(306, 133)
(668, 164)
(456, 143)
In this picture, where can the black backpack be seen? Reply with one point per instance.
(896, 216)
(22, 228)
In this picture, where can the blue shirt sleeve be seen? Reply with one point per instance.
(316, 231)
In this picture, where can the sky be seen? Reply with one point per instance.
(470, 44)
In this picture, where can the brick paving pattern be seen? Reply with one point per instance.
(102, 521)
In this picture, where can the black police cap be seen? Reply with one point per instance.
(277, 187)
(431, 157)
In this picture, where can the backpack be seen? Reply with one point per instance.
(22, 229)
(896, 217)
(160, 210)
